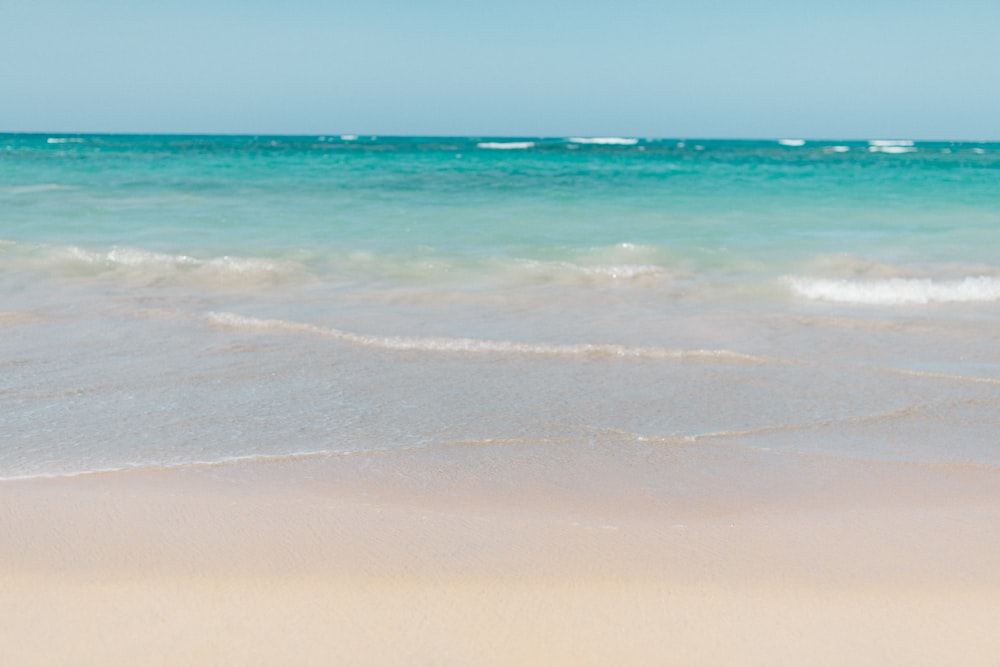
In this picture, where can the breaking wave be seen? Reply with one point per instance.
(899, 291)
(604, 141)
(146, 265)
(506, 145)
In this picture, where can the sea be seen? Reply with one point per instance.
(195, 301)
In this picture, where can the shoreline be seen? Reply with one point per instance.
(290, 565)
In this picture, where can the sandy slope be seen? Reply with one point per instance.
(183, 567)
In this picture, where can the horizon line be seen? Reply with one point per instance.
(550, 137)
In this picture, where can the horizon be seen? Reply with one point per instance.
(359, 136)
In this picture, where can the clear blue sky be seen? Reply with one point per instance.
(667, 68)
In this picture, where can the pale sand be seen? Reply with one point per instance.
(302, 567)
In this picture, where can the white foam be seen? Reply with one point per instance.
(605, 141)
(792, 142)
(506, 145)
(135, 263)
(837, 149)
(477, 345)
(625, 271)
(572, 273)
(898, 291)
(64, 140)
(892, 149)
(979, 151)
(884, 143)
(348, 137)
(133, 257)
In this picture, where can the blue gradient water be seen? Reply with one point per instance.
(172, 300)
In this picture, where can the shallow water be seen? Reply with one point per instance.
(175, 301)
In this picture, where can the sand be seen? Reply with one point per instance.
(322, 563)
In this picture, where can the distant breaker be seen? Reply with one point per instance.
(604, 141)
(505, 145)
(891, 146)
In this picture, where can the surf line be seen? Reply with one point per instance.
(477, 345)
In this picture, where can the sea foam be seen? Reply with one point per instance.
(506, 145)
(892, 146)
(899, 291)
(127, 262)
(478, 345)
(605, 141)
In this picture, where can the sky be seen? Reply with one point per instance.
(669, 68)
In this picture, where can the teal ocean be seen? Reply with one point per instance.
(196, 300)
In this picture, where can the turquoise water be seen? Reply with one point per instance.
(180, 300)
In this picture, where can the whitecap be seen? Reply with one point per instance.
(65, 140)
(792, 142)
(837, 149)
(506, 145)
(604, 141)
(894, 149)
(885, 143)
(898, 291)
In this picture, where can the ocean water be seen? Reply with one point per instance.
(172, 301)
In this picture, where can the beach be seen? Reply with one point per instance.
(884, 567)
(498, 400)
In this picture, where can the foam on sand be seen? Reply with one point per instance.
(482, 346)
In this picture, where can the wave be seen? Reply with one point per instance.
(891, 146)
(899, 291)
(29, 189)
(145, 264)
(792, 142)
(890, 415)
(478, 345)
(65, 140)
(154, 466)
(935, 375)
(604, 141)
(893, 150)
(622, 265)
(889, 143)
(584, 274)
(506, 145)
